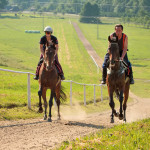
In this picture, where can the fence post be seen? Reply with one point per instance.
(84, 95)
(101, 94)
(94, 95)
(29, 92)
(71, 93)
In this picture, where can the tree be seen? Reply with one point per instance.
(148, 24)
(3, 3)
(90, 13)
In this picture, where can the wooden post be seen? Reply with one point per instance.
(84, 95)
(94, 95)
(71, 93)
(29, 92)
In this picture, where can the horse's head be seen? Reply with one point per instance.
(49, 57)
(113, 54)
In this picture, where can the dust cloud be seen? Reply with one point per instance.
(73, 113)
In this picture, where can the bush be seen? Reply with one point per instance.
(92, 20)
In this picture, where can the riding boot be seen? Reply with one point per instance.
(104, 75)
(37, 72)
(38, 69)
(62, 77)
(59, 68)
(131, 76)
(36, 77)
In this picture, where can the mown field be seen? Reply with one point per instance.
(131, 136)
(20, 51)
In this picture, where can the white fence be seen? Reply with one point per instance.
(71, 82)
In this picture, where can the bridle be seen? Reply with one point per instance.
(52, 62)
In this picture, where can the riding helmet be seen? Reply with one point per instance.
(48, 29)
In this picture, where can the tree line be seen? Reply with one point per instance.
(137, 11)
(110, 8)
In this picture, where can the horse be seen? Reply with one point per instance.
(49, 79)
(117, 82)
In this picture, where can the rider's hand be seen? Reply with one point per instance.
(121, 58)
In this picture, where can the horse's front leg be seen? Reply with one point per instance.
(57, 99)
(112, 105)
(40, 102)
(126, 95)
(45, 102)
(121, 100)
(50, 105)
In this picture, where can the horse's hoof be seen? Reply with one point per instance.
(112, 121)
(45, 118)
(120, 116)
(116, 114)
(49, 120)
(40, 110)
(124, 120)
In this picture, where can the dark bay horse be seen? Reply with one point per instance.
(117, 82)
(49, 79)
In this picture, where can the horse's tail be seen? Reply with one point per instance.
(63, 96)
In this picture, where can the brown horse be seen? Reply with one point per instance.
(117, 82)
(49, 79)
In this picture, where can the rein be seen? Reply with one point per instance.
(122, 68)
(45, 67)
(51, 63)
(122, 61)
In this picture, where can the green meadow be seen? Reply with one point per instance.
(131, 136)
(19, 51)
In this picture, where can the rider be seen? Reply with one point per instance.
(123, 45)
(48, 37)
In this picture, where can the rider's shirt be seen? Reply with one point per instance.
(43, 41)
(121, 41)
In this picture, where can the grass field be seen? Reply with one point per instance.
(20, 51)
(132, 136)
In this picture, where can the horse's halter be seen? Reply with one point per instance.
(49, 64)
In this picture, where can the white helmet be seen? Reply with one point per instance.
(48, 29)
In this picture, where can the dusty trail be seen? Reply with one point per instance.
(88, 46)
(37, 134)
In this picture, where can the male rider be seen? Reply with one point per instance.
(123, 45)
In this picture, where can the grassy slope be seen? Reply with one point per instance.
(138, 51)
(122, 137)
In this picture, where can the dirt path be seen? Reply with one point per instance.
(37, 134)
(88, 46)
